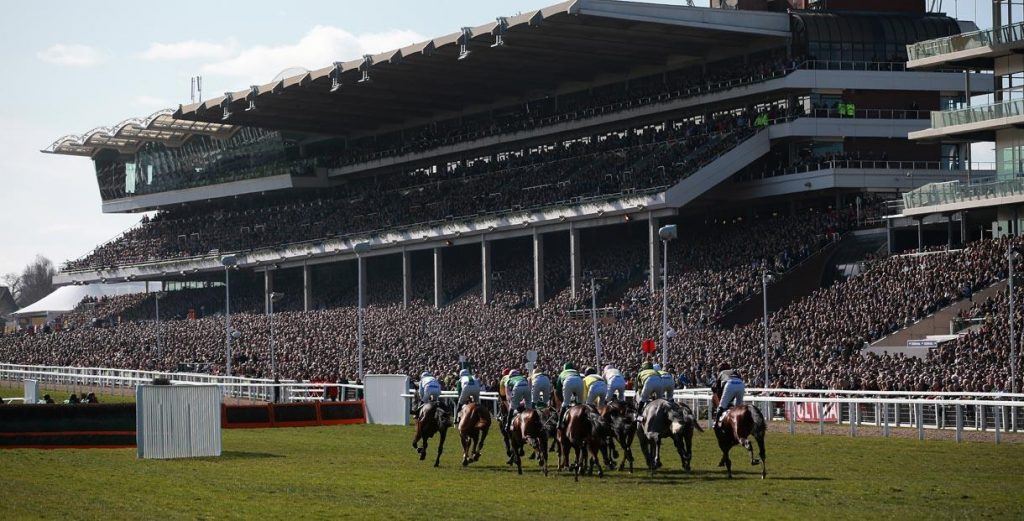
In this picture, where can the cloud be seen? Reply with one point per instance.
(72, 55)
(189, 50)
(321, 46)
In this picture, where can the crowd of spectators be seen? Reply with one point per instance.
(607, 166)
(711, 269)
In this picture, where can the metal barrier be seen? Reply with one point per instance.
(254, 389)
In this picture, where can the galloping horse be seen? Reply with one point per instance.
(579, 435)
(621, 417)
(474, 423)
(432, 419)
(665, 419)
(528, 428)
(737, 425)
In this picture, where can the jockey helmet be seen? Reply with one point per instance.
(646, 366)
(504, 372)
(656, 367)
(426, 374)
(464, 372)
(725, 366)
(568, 366)
(589, 371)
(514, 372)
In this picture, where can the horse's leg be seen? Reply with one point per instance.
(466, 441)
(595, 449)
(646, 450)
(543, 453)
(483, 437)
(759, 437)
(517, 453)
(657, 452)
(440, 447)
(423, 450)
(577, 464)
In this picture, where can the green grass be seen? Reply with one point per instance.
(60, 396)
(372, 472)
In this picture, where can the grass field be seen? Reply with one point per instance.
(372, 472)
(59, 396)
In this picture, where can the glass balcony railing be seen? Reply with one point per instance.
(978, 113)
(935, 194)
(965, 41)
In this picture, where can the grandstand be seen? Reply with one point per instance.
(471, 188)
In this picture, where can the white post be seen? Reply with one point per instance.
(959, 423)
(593, 317)
(156, 300)
(361, 283)
(227, 317)
(764, 293)
(273, 355)
(919, 411)
(664, 305)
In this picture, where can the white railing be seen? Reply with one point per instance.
(255, 389)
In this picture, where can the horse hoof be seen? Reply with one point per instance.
(755, 462)
(437, 464)
(465, 462)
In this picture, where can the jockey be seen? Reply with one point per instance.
(616, 383)
(594, 387)
(469, 389)
(518, 391)
(429, 389)
(733, 389)
(540, 387)
(668, 383)
(571, 386)
(648, 380)
(501, 385)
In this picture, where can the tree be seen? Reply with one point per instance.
(34, 283)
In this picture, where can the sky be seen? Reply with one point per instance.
(73, 66)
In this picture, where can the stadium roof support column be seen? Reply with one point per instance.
(963, 229)
(406, 278)
(920, 234)
(538, 269)
(438, 287)
(361, 279)
(575, 261)
(268, 288)
(654, 246)
(485, 267)
(949, 232)
(307, 288)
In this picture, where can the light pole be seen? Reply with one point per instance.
(228, 261)
(667, 233)
(593, 318)
(1012, 255)
(359, 250)
(765, 278)
(274, 297)
(156, 300)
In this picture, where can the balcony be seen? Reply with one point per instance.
(954, 195)
(978, 44)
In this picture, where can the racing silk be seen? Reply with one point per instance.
(610, 373)
(587, 382)
(501, 386)
(563, 375)
(425, 382)
(644, 375)
(465, 381)
(728, 374)
(513, 381)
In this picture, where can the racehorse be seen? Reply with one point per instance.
(665, 419)
(736, 426)
(528, 428)
(433, 418)
(620, 416)
(578, 434)
(474, 423)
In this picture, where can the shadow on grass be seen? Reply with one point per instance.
(235, 454)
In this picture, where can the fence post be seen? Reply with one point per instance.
(919, 411)
(854, 413)
(792, 417)
(885, 416)
(999, 421)
(959, 423)
(821, 419)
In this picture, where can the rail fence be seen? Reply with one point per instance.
(252, 389)
(995, 413)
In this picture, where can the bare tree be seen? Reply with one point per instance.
(34, 283)
(12, 281)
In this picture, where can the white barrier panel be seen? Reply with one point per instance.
(177, 421)
(31, 391)
(384, 402)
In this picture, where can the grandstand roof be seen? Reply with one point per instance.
(127, 135)
(531, 52)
